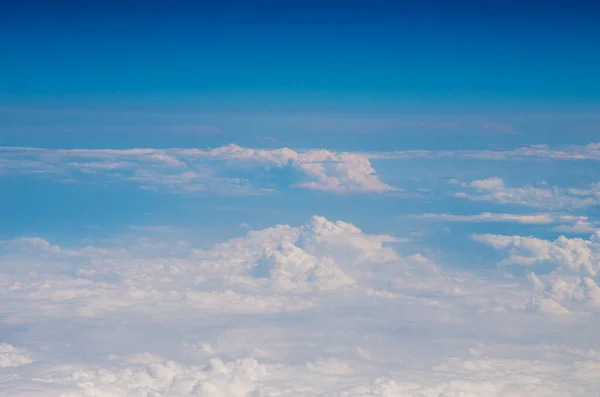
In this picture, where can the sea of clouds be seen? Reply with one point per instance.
(319, 309)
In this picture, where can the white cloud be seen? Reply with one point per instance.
(10, 356)
(529, 219)
(326, 170)
(542, 152)
(556, 293)
(344, 172)
(148, 375)
(564, 223)
(491, 371)
(192, 170)
(494, 189)
(567, 255)
(532, 153)
(290, 267)
(573, 265)
(317, 310)
(576, 224)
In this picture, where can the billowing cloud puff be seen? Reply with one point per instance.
(289, 267)
(572, 266)
(557, 293)
(344, 242)
(344, 172)
(567, 255)
(11, 356)
(233, 276)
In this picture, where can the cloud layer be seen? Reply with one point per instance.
(219, 170)
(258, 315)
(494, 189)
(525, 153)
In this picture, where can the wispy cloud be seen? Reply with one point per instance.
(489, 217)
(525, 153)
(569, 222)
(192, 170)
(494, 189)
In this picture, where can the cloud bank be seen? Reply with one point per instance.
(259, 315)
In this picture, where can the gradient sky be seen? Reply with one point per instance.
(414, 76)
(149, 149)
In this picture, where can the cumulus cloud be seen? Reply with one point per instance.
(494, 189)
(484, 370)
(557, 293)
(566, 254)
(290, 267)
(232, 276)
(260, 314)
(572, 268)
(145, 375)
(11, 356)
(192, 170)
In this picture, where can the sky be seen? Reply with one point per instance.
(299, 199)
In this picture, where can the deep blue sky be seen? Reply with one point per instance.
(418, 52)
(121, 74)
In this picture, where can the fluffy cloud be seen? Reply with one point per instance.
(557, 294)
(145, 375)
(567, 255)
(259, 273)
(258, 315)
(10, 356)
(344, 172)
(572, 265)
(192, 170)
(485, 370)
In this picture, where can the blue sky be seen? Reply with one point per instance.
(325, 188)
(359, 79)
(408, 53)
